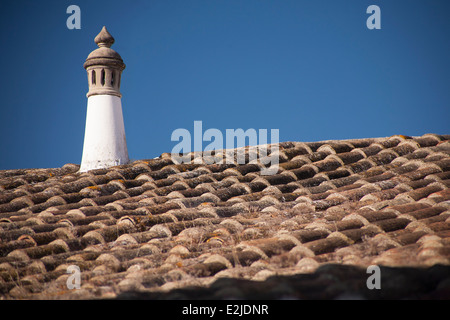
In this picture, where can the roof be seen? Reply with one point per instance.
(157, 229)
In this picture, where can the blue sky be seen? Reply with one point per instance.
(311, 69)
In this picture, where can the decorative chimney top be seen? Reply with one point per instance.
(104, 67)
(104, 38)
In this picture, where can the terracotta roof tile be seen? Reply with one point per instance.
(156, 227)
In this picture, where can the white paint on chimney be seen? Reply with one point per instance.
(105, 144)
(104, 140)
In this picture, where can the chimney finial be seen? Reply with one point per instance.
(104, 38)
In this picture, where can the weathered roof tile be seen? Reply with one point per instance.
(160, 225)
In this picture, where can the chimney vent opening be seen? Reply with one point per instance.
(102, 79)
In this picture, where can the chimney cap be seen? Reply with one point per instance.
(104, 55)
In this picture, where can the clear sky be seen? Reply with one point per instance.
(311, 69)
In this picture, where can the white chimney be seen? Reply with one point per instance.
(105, 144)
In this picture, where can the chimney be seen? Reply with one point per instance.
(104, 139)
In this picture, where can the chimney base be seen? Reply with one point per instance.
(104, 140)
